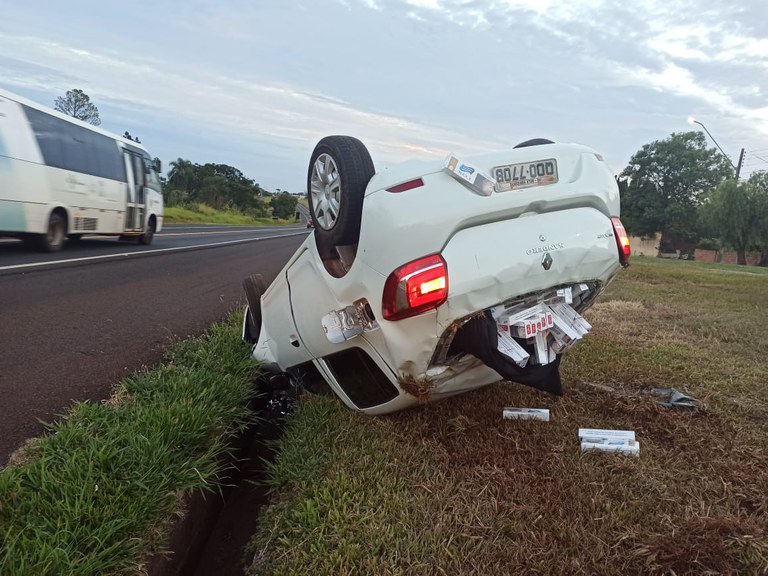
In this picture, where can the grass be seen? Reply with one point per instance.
(95, 494)
(203, 214)
(451, 488)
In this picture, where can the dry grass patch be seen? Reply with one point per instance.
(453, 488)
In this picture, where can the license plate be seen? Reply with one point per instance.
(525, 175)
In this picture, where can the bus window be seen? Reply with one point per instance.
(152, 179)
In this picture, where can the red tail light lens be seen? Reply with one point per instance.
(622, 241)
(418, 286)
(410, 185)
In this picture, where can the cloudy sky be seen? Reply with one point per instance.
(256, 83)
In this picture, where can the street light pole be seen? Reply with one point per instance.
(737, 169)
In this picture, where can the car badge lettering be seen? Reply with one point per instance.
(467, 169)
(547, 248)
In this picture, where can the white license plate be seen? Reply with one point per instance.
(525, 175)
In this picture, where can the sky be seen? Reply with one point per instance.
(255, 84)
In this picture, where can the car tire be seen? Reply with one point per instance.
(254, 287)
(53, 239)
(339, 171)
(534, 142)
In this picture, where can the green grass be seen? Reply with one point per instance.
(203, 214)
(451, 488)
(95, 494)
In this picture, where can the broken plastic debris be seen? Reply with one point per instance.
(671, 398)
(351, 321)
(511, 413)
(339, 327)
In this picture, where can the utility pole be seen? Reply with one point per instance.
(737, 169)
(738, 166)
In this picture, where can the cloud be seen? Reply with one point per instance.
(266, 80)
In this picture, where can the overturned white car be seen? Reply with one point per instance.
(432, 278)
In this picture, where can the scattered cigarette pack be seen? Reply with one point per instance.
(598, 434)
(511, 413)
(631, 447)
(609, 441)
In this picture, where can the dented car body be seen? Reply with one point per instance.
(455, 274)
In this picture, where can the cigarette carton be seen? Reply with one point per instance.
(630, 447)
(476, 180)
(566, 294)
(509, 347)
(511, 413)
(598, 435)
(540, 348)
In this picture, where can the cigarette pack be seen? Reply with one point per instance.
(566, 294)
(597, 435)
(509, 347)
(573, 317)
(631, 447)
(511, 413)
(540, 348)
(476, 180)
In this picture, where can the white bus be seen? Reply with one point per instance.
(62, 178)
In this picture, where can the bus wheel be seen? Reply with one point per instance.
(149, 233)
(53, 239)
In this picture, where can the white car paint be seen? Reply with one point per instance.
(493, 246)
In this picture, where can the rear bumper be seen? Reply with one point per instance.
(499, 262)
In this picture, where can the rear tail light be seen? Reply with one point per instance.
(416, 287)
(410, 185)
(622, 241)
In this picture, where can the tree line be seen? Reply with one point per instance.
(689, 193)
(676, 186)
(220, 186)
(223, 187)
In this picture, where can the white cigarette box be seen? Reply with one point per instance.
(509, 347)
(511, 413)
(597, 435)
(630, 447)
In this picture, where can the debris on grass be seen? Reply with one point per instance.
(671, 398)
(609, 441)
(511, 413)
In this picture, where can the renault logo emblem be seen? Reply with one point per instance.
(546, 262)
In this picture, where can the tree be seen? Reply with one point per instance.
(664, 184)
(284, 205)
(78, 104)
(737, 212)
(183, 176)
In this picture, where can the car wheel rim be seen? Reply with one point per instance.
(325, 190)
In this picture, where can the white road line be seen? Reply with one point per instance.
(143, 252)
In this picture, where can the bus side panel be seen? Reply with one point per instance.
(24, 192)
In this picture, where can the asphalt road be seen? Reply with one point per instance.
(75, 322)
